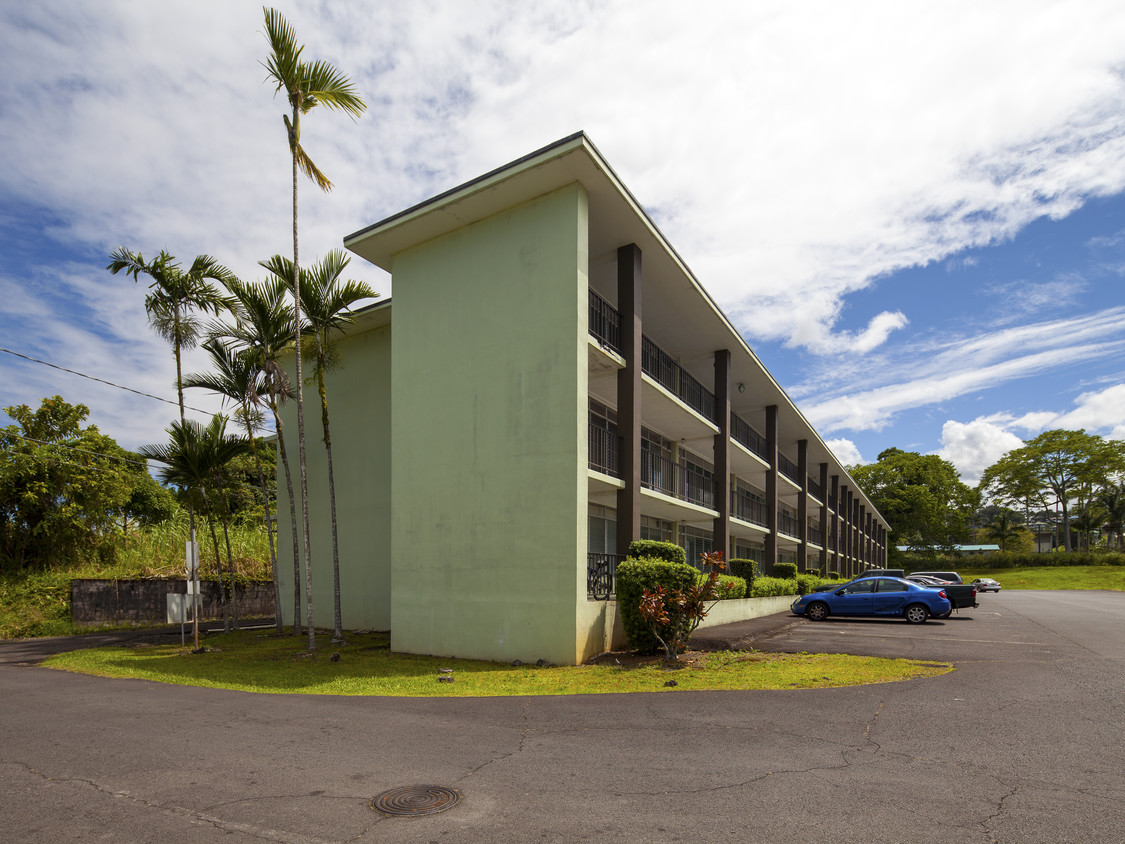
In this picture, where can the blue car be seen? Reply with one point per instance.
(887, 596)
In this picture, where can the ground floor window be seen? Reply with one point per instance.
(660, 530)
(696, 541)
(601, 533)
(749, 551)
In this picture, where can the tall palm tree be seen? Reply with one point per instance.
(263, 330)
(1003, 529)
(326, 302)
(174, 299)
(237, 379)
(1112, 500)
(195, 459)
(306, 86)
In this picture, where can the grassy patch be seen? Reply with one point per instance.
(256, 662)
(1053, 577)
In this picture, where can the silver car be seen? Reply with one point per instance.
(986, 584)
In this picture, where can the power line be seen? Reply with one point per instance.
(102, 380)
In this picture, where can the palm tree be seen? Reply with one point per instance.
(174, 297)
(237, 379)
(326, 302)
(1003, 529)
(306, 86)
(195, 459)
(1112, 500)
(263, 330)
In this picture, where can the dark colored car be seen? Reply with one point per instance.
(876, 596)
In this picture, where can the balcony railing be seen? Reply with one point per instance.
(605, 322)
(816, 536)
(605, 450)
(788, 524)
(741, 431)
(748, 507)
(789, 468)
(662, 475)
(658, 365)
(815, 489)
(601, 575)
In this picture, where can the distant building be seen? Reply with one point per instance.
(550, 383)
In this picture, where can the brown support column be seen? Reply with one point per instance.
(823, 516)
(867, 541)
(721, 536)
(834, 537)
(629, 396)
(883, 545)
(771, 488)
(857, 534)
(803, 505)
(846, 531)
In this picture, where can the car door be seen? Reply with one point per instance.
(853, 599)
(890, 596)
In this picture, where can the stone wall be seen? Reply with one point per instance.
(145, 602)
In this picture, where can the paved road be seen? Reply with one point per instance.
(1023, 743)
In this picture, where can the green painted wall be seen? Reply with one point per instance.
(359, 412)
(489, 433)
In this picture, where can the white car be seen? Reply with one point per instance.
(986, 584)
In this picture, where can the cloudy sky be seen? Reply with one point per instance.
(915, 212)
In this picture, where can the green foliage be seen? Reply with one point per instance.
(655, 550)
(727, 588)
(1018, 559)
(746, 569)
(65, 489)
(786, 571)
(635, 576)
(813, 572)
(833, 575)
(770, 587)
(806, 582)
(921, 497)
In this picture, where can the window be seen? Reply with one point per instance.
(658, 529)
(696, 541)
(601, 534)
(860, 587)
(892, 586)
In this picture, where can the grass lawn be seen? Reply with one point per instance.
(1052, 577)
(255, 662)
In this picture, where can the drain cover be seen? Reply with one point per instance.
(416, 800)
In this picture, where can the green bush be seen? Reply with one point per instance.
(813, 572)
(652, 549)
(806, 582)
(634, 576)
(769, 587)
(746, 569)
(728, 588)
(833, 575)
(786, 571)
(1016, 559)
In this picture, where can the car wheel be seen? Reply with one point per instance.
(817, 611)
(916, 614)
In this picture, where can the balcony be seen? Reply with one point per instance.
(601, 575)
(660, 474)
(605, 450)
(605, 322)
(816, 535)
(788, 468)
(787, 523)
(658, 365)
(749, 507)
(741, 431)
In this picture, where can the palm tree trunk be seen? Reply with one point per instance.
(225, 520)
(269, 525)
(219, 569)
(307, 550)
(190, 507)
(292, 522)
(337, 623)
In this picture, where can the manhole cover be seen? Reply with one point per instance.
(416, 800)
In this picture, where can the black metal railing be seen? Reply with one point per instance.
(749, 507)
(742, 432)
(605, 450)
(815, 535)
(788, 524)
(601, 575)
(605, 322)
(789, 468)
(663, 475)
(815, 489)
(658, 365)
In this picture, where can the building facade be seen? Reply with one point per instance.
(549, 383)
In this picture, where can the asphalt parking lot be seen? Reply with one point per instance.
(1022, 743)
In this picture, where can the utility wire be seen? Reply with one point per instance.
(102, 381)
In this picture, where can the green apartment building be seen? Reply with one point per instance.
(549, 383)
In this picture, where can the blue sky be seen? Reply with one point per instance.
(915, 213)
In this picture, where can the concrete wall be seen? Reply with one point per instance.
(145, 602)
(359, 410)
(489, 429)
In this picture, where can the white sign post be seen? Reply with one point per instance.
(191, 555)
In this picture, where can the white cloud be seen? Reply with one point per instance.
(975, 446)
(846, 451)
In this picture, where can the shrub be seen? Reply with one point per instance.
(746, 569)
(729, 587)
(833, 575)
(813, 572)
(769, 587)
(806, 582)
(634, 576)
(652, 549)
(786, 571)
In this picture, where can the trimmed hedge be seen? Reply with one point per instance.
(813, 572)
(651, 549)
(746, 569)
(634, 576)
(728, 588)
(1015, 559)
(769, 587)
(786, 571)
(806, 582)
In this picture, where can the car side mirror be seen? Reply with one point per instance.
(838, 592)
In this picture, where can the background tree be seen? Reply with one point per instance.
(63, 487)
(326, 301)
(1003, 530)
(1112, 501)
(922, 498)
(306, 86)
(1059, 466)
